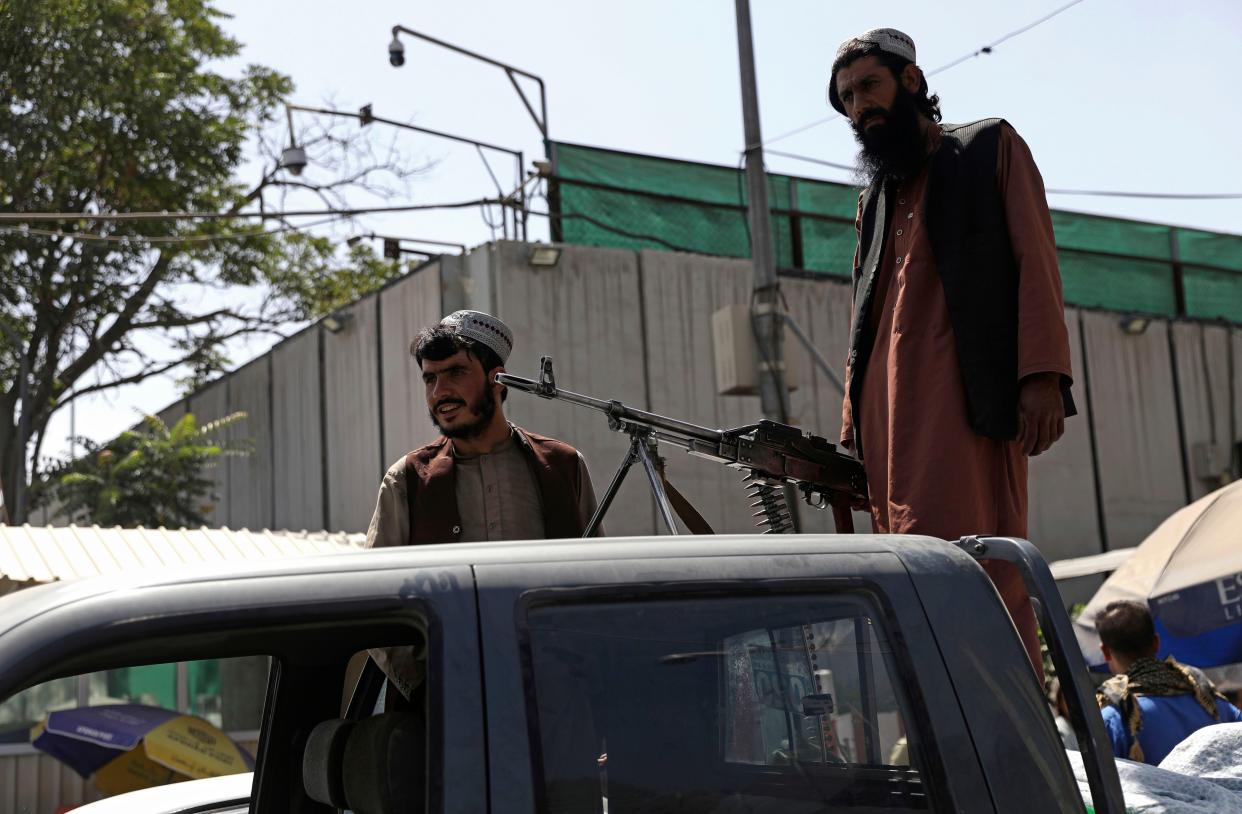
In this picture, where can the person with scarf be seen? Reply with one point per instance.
(1150, 705)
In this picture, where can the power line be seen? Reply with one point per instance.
(985, 49)
(87, 237)
(22, 217)
(1177, 196)
(820, 161)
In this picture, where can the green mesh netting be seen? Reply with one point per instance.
(623, 200)
(1213, 294)
(1092, 233)
(1209, 249)
(1094, 281)
(828, 247)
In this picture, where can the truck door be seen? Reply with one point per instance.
(799, 683)
(301, 624)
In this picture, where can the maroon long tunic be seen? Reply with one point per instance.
(927, 471)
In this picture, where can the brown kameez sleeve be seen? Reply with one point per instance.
(1043, 340)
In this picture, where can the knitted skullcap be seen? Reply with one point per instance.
(483, 328)
(889, 40)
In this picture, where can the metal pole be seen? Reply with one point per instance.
(766, 290)
(766, 287)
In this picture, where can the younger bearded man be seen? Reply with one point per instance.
(484, 479)
(959, 363)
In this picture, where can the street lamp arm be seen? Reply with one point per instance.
(540, 119)
(374, 236)
(394, 123)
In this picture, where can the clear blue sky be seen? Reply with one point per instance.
(1112, 94)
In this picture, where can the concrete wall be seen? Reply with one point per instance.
(635, 326)
(1063, 507)
(297, 433)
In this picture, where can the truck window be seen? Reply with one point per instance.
(719, 704)
(226, 693)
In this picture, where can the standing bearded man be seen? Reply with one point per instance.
(959, 362)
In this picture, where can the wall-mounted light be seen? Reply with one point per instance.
(545, 256)
(1133, 325)
(337, 321)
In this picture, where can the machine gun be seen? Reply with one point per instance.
(772, 456)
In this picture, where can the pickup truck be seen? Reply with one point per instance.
(790, 673)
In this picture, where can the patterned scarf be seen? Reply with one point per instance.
(1154, 678)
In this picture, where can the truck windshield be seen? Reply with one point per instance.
(770, 702)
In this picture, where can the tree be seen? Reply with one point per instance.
(116, 106)
(150, 477)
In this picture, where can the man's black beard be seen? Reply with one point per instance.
(894, 146)
(482, 410)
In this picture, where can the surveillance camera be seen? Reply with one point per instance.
(293, 159)
(396, 53)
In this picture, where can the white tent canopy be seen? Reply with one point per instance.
(1188, 572)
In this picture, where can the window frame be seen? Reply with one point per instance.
(925, 755)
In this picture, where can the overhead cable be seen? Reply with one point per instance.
(985, 49)
(24, 217)
(1178, 196)
(87, 237)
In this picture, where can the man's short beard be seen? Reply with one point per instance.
(893, 148)
(483, 410)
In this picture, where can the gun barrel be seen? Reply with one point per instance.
(615, 409)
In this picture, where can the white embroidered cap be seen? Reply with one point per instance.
(483, 328)
(886, 39)
(889, 40)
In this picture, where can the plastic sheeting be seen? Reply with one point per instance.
(351, 417)
(297, 442)
(250, 476)
(586, 314)
(1132, 394)
(209, 404)
(1200, 776)
(406, 308)
(1062, 516)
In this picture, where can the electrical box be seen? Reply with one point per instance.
(737, 354)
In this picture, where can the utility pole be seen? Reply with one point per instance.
(766, 291)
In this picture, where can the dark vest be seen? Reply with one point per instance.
(965, 216)
(431, 488)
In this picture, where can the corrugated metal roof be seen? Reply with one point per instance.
(33, 554)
